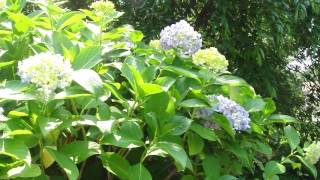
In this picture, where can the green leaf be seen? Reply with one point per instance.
(139, 172)
(231, 80)
(7, 63)
(195, 144)
(116, 164)
(211, 167)
(255, 105)
(21, 22)
(15, 148)
(65, 163)
(136, 36)
(128, 136)
(205, 133)
(79, 151)
(194, 103)
(87, 58)
(69, 18)
(149, 89)
(176, 125)
(182, 72)
(224, 123)
(280, 118)
(15, 90)
(273, 168)
(310, 167)
(133, 77)
(174, 150)
(47, 125)
(89, 80)
(292, 137)
(263, 148)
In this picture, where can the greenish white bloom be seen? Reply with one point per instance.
(210, 58)
(47, 71)
(2, 4)
(103, 7)
(312, 153)
(181, 36)
(155, 44)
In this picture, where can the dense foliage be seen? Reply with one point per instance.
(84, 98)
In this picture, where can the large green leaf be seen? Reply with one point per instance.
(65, 163)
(310, 167)
(205, 133)
(195, 143)
(139, 172)
(211, 167)
(195, 103)
(79, 151)
(87, 58)
(176, 125)
(273, 168)
(174, 150)
(16, 149)
(116, 164)
(280, 118)
(69, 18)
(224, 123)
(15, 90)
(89, 80)
(292, 137)
(182, 72)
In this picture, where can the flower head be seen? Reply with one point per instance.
(155, 44)
(211, 58)
(181, 36)
(47, 71)
(103, 7)
(236, 114)
(312, 152)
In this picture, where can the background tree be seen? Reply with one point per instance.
(256, 36)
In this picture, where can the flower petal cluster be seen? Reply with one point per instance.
(211, 58)
(155, 44)
(103, 7)
(236, 114)
(181, 36)
(47, 71)
(312, 153)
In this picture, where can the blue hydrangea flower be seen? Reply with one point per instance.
(181, 36)
(236, 114)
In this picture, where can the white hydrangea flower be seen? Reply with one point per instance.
(2, 4)
(236, 114)
(47, 71)
(181, 36)
(312, 153)
(210, 58)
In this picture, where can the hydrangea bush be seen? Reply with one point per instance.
(81, 96)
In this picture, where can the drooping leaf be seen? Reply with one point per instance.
(65, 163)
(116, 164)
(79, 151)
(87, 58)
(292, 137)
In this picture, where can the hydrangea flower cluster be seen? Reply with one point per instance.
(236, 114)
(181, 36)
(155, 44)
(47, 71)
(312, 153)
(210, 57)
(2, 4)
(103, 7)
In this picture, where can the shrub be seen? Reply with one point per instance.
(77, 90)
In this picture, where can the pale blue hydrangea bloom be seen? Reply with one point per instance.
(312, 153)
(181, 36)
(47, 71)
(236, 114)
